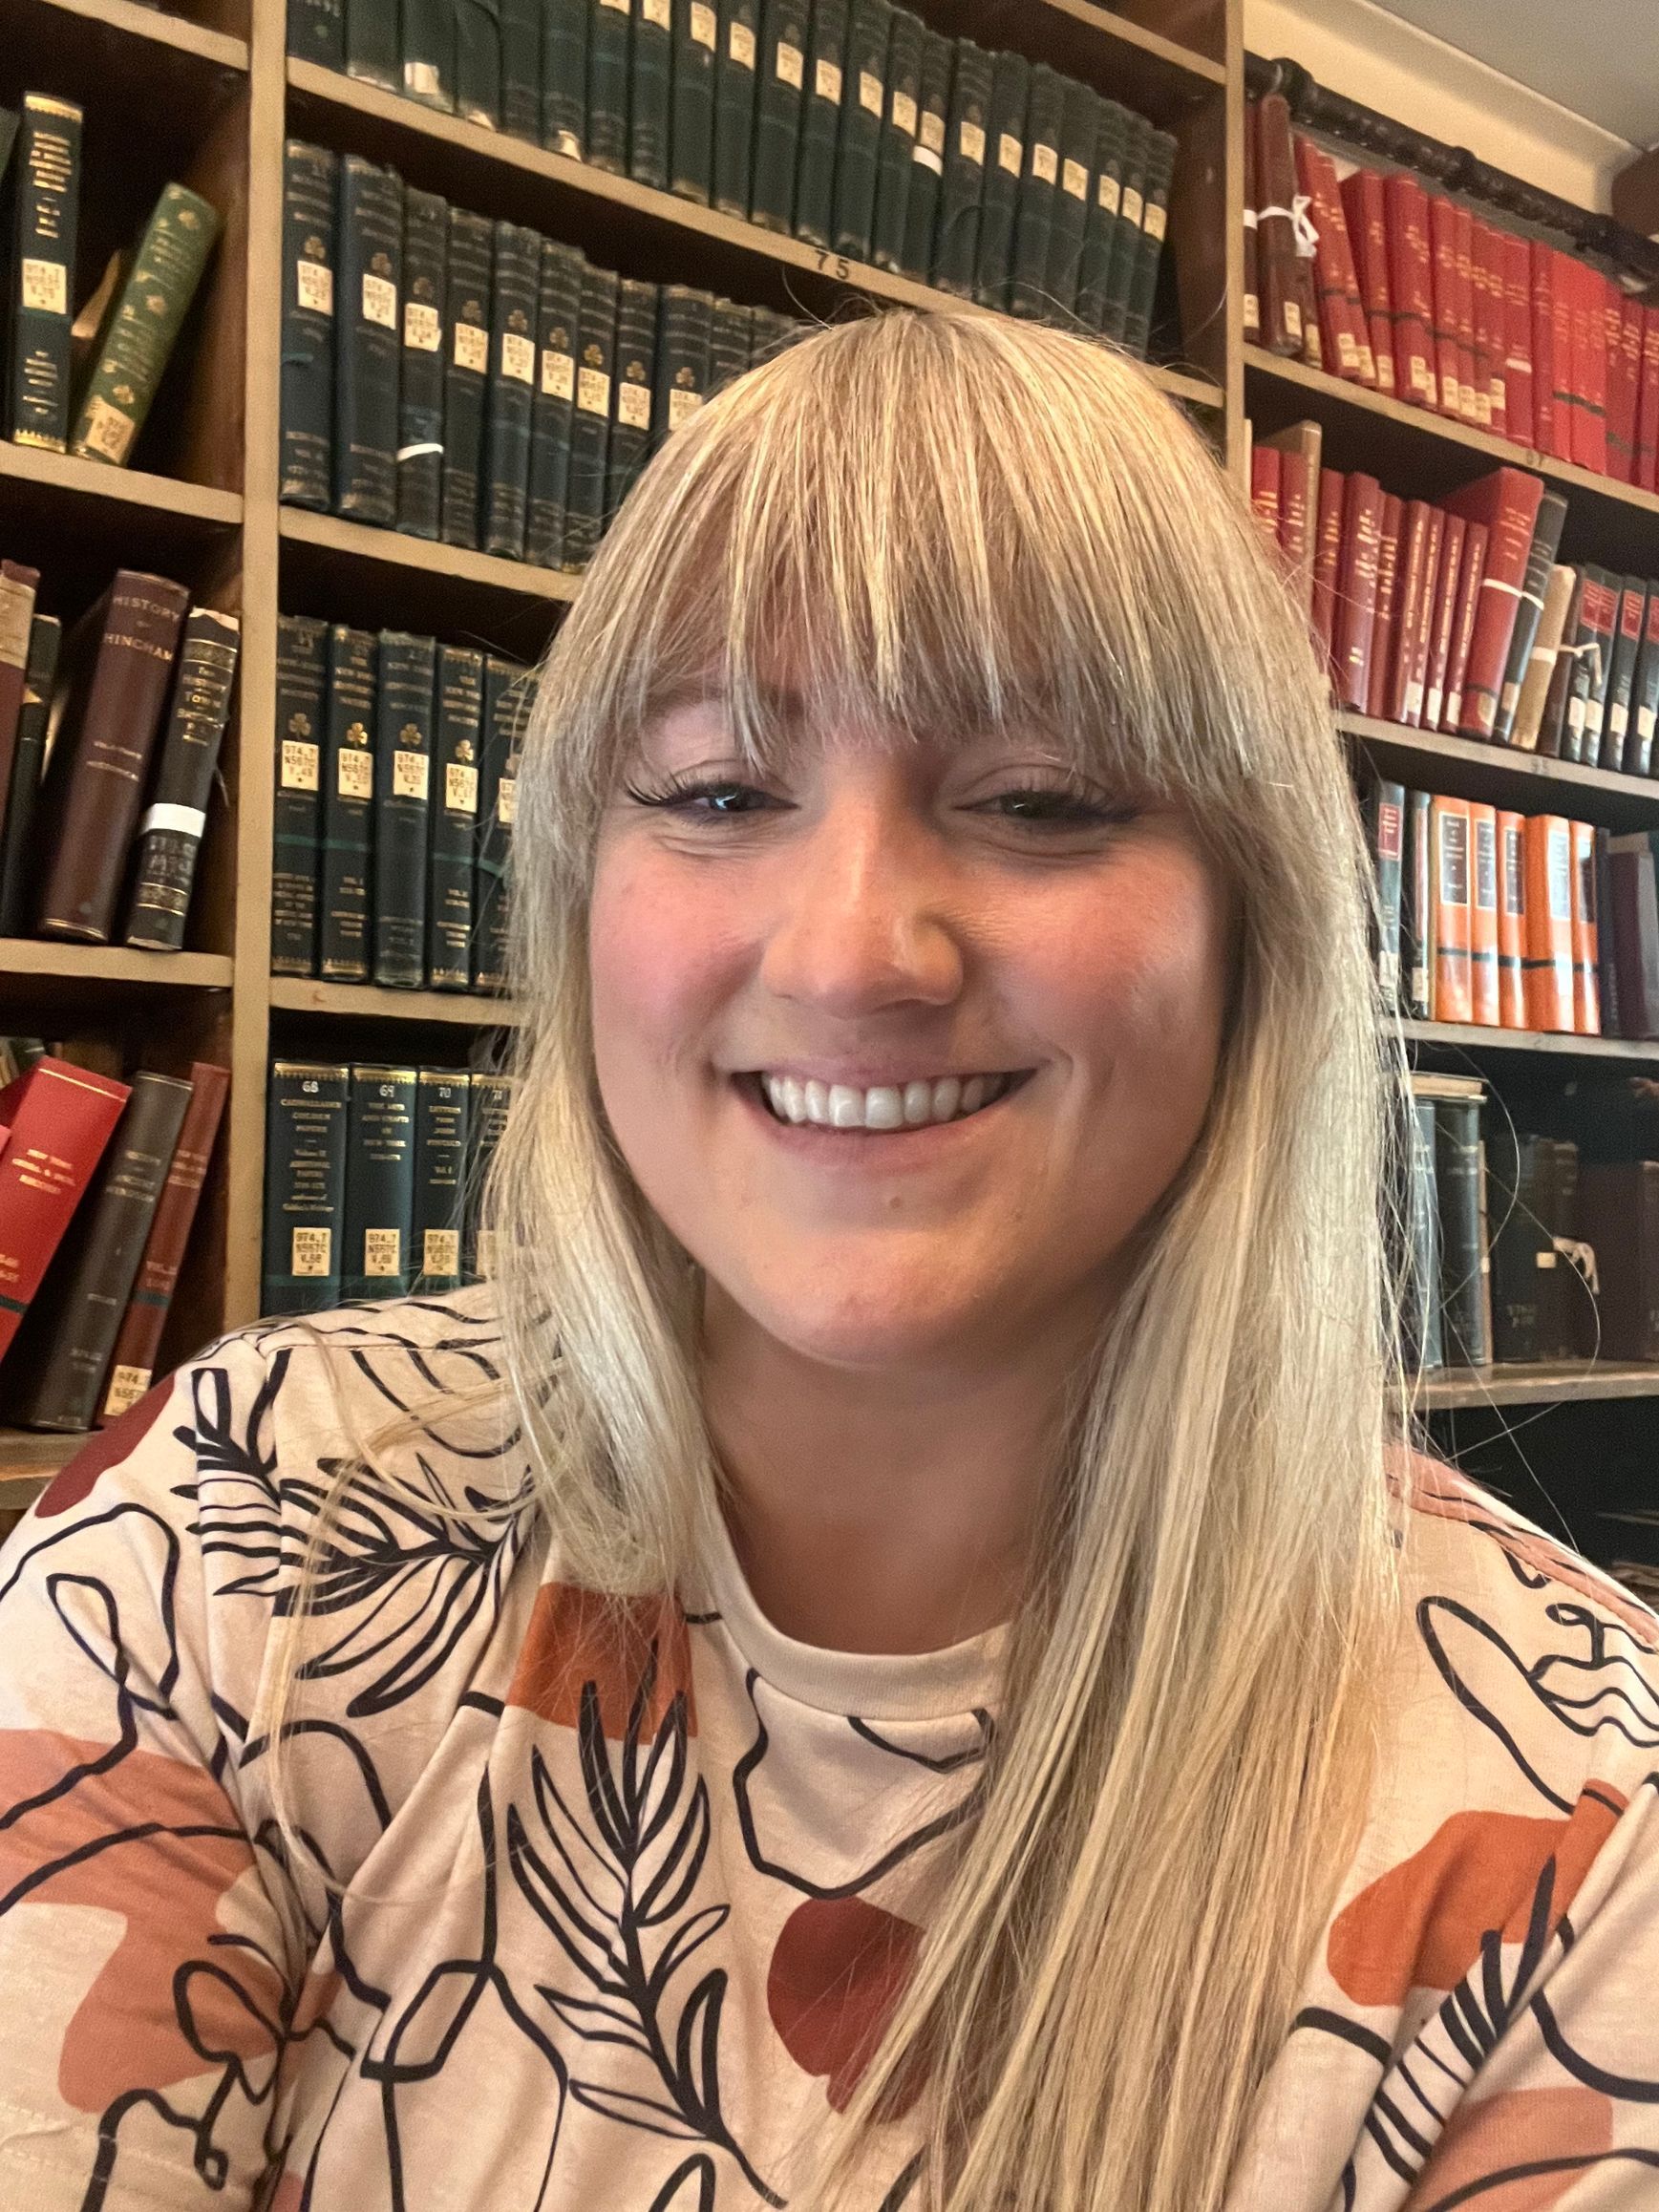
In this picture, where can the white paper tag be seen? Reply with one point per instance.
(593, 390)
(507, 800)
(127, 1385)
(740, 45)
(422, 326)
(1413, 700)
(705, 24)
(971, 141)
(355, 776)
(633, 405)
(1075, 179)
(309, 1252)
(1156, 222)
(1107, 192)
(1645, 719)
(316, 286)
(461, 787)
(382, 1253)
(933, 130)
(46, 286)
(791, 64)
(904, 111)
(407, 775)
(1618, 719)
(1010, 154)
(661, 13)
(299, 771)
(472, 347)
(518, 357)
(870, 90)
(826, 80)
(617, 6)
(440, 1251)
(928, 156)
(682, 405)
(108, 430)
(1575, 715)
(1293, 320)
(1045, 161)
(379, 301)
(558, 376)
(420, 78)
(1131, 205)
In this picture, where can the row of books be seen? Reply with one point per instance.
(109, 742)
(479, 384)
(99, 1185)
(396, 769)
(81, 374)
(374, 1181)
(853, 126)
(1408, 293)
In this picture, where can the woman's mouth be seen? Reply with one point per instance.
(922, 1102)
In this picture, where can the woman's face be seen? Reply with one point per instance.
(905, 1041)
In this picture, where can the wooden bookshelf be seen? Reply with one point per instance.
(1634, 1054)
(1502, 775)
(365, 1002)
(1449, 1390)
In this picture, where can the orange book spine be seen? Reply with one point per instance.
(1586, 998)
(1549, 923)
(1484, 992)
(1453, 999)
(1511, 922)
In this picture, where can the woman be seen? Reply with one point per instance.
(880, 1664)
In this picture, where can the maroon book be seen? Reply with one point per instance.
(1387, 574)
(1506, 502)
(1355, 622)
(58, 1121)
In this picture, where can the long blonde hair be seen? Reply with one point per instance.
(957, 521)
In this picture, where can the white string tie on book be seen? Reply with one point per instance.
(1301, 222)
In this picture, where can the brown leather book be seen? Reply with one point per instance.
(1414, 555)
(1327, 555)
(1443, 616)
(1282, 317)
(1619, 1216)
(1355, 622)
(1470, 576)
(16, 613)
(1388, 578)
(100, 757)
(1252, 303)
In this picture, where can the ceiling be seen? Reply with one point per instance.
(1598, 58)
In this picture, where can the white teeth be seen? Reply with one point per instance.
(818, 1101)
(882, 1106)
(846, 1107)
(946, 1098)
(794, 1099)
(973, 1092)
(918, 1104)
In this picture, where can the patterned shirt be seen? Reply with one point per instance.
(616, 1913)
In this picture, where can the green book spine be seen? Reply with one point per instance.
(1080, 128)
(466, 371)
(477, 62)
(956, 238)
(770, 332)
(590, 423)
(427, 52)
(442, 1099)
(927, 157)
(512, 390)
(522, 69)
(691, 121)
(174, 819)
(1005, 161)
(898, 139)
(609, 38)
(317, 31)
(372, 43)
(734, 74)
(681, 384)
(820, 123)
(507, 696)
(402, 803)
(863, 106)
(636, 356)
(565, 77)
(1100, 231)
(366, 365)
(1039, 181)
(45, 210)
(302, 685)
(144, 327)
(421, 365)
(1126, 239)
(649, 89)
(778, 104)
(305, 1186)
(348, 807)
(310, 190)
(28, 762)
(1161, 154)
(492, 1098)
(455, 814)
(730, 334)
(379, 1182)
(560, 304)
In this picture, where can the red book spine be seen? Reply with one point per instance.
(1328, 556)
(1517, 266)
(1402, 707)
(1623, 383)
(1295, 522)
(1589, 377)
(1566, 398)
(1507, 503)
(1364, 206)
(1356, 589)
(1468, 581)
(1410, 288)
(1252, 300)
(1387, 574)
(59, 1120)
(1472, 397)
(1542, 302)
(1442, 615)
(1423, 619)
(1443, 238)
(1483, 331)
(1342, 316)
(1489, 260)
(1264, 490)
(1647, 405)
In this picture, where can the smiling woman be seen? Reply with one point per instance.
(897, 1656)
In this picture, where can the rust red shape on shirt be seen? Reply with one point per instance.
(106, 1448)
(839, 1969)
(1490, 2143)
(577, 1636)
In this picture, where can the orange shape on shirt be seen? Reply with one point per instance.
(1491, 2136)
(106, 1448)
(1420, 1925)
(839, 1969)
(577, 1636)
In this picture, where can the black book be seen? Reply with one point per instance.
(609, 36)
(348, 807)
(590, 424)
(1005, 161)
(442, 1097)
(455, 814)
(820, 119)
(692, 119)
(507, 696)
(1385, 806)
(1417, 909)
(565, 77)
(1159, 169)
(1566, 1308)
(1423, 1344)
(365, 359)
(422, 364)
(310, 187)
(466, 373)
(1079, 127)
(730, 331)
(371, 49)
(403, 712)
(478, 61)
(492, 1097)
(864, 108)
(302, 683)
(317, 31)
(1100, 231)
(896, 159)
(512, 388)
(927, 156)
(1523, 1253)
(42, 207)
(1462, 1254)
(1569, 702)
(559, 305)
(1539, 560)
(175, 820)
(1607, 945)
(522, 69)
(650, 91)
(778, 113)
(379, 1182)
(1619, 742)
(428, 52)
(1602, 621)
(27, 762)
(1644, 693)
(1126, 239)
(636, 353)
(956, 238)
(1039, 183)
(683, 374)
(768, 332)
(305, 1186)
(734, 74)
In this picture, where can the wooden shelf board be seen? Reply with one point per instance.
(158, 27)
(1470, 1038)
(1106, 23)
(112, 487)
(1453, 1388)
(28, 1459)
(35, 956)
(366, 1001)
(1506, 774)
(406, 124)
(394, 549)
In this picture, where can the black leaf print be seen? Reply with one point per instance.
(699, 2168)
(639, 2112)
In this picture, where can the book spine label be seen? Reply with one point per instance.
(477, 62)
(457, 743)
(506, 704)
(23, 789)
(366, 382)
(735, 70)
(779, 91)
(145, 325)
(402, 805)
(379, 1182)
(60, 1121)
(311, 184)
(301, 688)
(899, 126)
(820, 114)
(590, 421)
(427, 54)
(171, 830)
(564, 78)
(305, 1186)
(691, 123)
(491, 1101)
(962, 183)
(630, 428)
(347, 808)
(440, 1164)
(511, 391)
(553, 403)
(650, 92)
(46, 216)
(422, 364)
(522, 69)
(371, 42)
(466, 373)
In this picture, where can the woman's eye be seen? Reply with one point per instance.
(714, 797)
(1056, 808)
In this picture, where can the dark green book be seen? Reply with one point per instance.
(1005, 159)
(379, 1182)
(403, 804)
(1617, 735)
(768, 332)
(135, 340)
(420, 376)
(1420, 1285)
(1079, 129)
(1457, 1194)
(896, 159)
(636, 356)
(522, 69)
(372, 43)
(590, 423)
(1100, 231)
(466, 371)
(366, 363)
(1644, 695)
(492, 1098)
(441, 1098)
(27, 762)
(820, 123)
(1522, 1250)
(43, 202)
(565, 77)
(734, 74)
(956, 236)
(1126, 239)
(317, 31)
(559, 305)
(1039, 183)
(310, 189)
(347, 808)
(731, 333)
(1385, 811)
(507, 696)
(650, 83)
(864, 108)
(455, 815)
(777, 106)
(512, 390)
(478, 61)
(609, 38)
(174, 819)
(683, 373)
(1417, 908)
(302, 685)
(927, 156)
(692, 117)
(426, 52)
(305, 1186)
(1159, 169)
